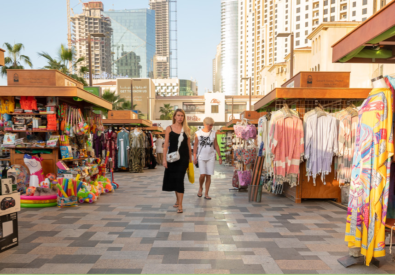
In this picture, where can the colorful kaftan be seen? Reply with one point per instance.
(370, 176)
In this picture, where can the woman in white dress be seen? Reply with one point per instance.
(204, 155)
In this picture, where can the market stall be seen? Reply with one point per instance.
(48, 121)
(43, 92)
(372, 42)
(296, 103)
(131, 144)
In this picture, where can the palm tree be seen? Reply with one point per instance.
(66, 57)
(167, 112)
(116, 100)
(194, 129)
(15, 58)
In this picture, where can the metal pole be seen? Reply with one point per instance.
(131, 94)
(291, 71)
(232, 106)
(148, 108)
(250, 92)
(90, 60)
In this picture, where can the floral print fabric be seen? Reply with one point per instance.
(370, 177)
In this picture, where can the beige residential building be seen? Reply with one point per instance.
(319, 58)
(217, 70)
(265, 26)
(92, 21)
(162, 36)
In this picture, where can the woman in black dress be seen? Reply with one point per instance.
(175, 171)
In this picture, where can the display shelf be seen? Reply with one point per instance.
(29, 114)
(32, 131)
(71, 160)
(35, 148)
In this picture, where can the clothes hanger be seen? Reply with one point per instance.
(287, 113)
(319, 110)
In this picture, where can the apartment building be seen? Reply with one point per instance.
(92, 20)
(265, 27)
(162, 28)
(217, 69)
(229, 44)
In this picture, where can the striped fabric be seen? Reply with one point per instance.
(256, 175)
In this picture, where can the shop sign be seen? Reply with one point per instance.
(141, 94)
(93, 90)
(193, 118)
(215, 101)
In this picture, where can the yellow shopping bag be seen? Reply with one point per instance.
(191, 173)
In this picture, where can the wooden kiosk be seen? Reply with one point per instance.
(42, 84)
(303, 97)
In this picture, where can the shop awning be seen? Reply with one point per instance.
(311, 93)
(128, 122)
(45, 91)
(372, 42)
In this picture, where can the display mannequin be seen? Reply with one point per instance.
(379, 82)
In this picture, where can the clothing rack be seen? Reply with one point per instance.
(302, 101)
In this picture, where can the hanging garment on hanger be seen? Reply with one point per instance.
(122, 144)
(136, 152)
(288, 149)
(321, 145)
(277, 115)
(368, 199)
(111, 141)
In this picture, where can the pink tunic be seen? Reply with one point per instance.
(288, 148)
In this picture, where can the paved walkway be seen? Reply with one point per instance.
(136, 230)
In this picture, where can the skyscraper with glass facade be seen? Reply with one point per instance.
(229, 43)
(133, 42)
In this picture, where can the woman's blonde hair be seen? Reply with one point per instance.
(187, 131)
(208, 121)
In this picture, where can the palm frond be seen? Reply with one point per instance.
(8, 46)
(27, 60)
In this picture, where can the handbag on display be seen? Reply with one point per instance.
(174, 156)
(244, 177)
(235, 179)
(249, 155)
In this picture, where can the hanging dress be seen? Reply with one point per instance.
(370, 177)
(122, 144)
(136, 152)
(111, 141)
(98, 144)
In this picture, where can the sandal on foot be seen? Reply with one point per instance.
(179, 211)
(175, 206)
(207, 198)
(199, 196)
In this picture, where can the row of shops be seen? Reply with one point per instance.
(317, 138)
(56, 148)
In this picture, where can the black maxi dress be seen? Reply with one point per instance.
(175, 171)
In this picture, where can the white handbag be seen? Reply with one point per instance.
(174, 156)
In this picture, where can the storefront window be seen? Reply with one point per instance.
(237, 108)
(214, 109)
(193, 108)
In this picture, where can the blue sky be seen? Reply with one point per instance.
(42, 26)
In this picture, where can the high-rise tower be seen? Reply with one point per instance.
(92, 20)
(229, 39)
(162, 29)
